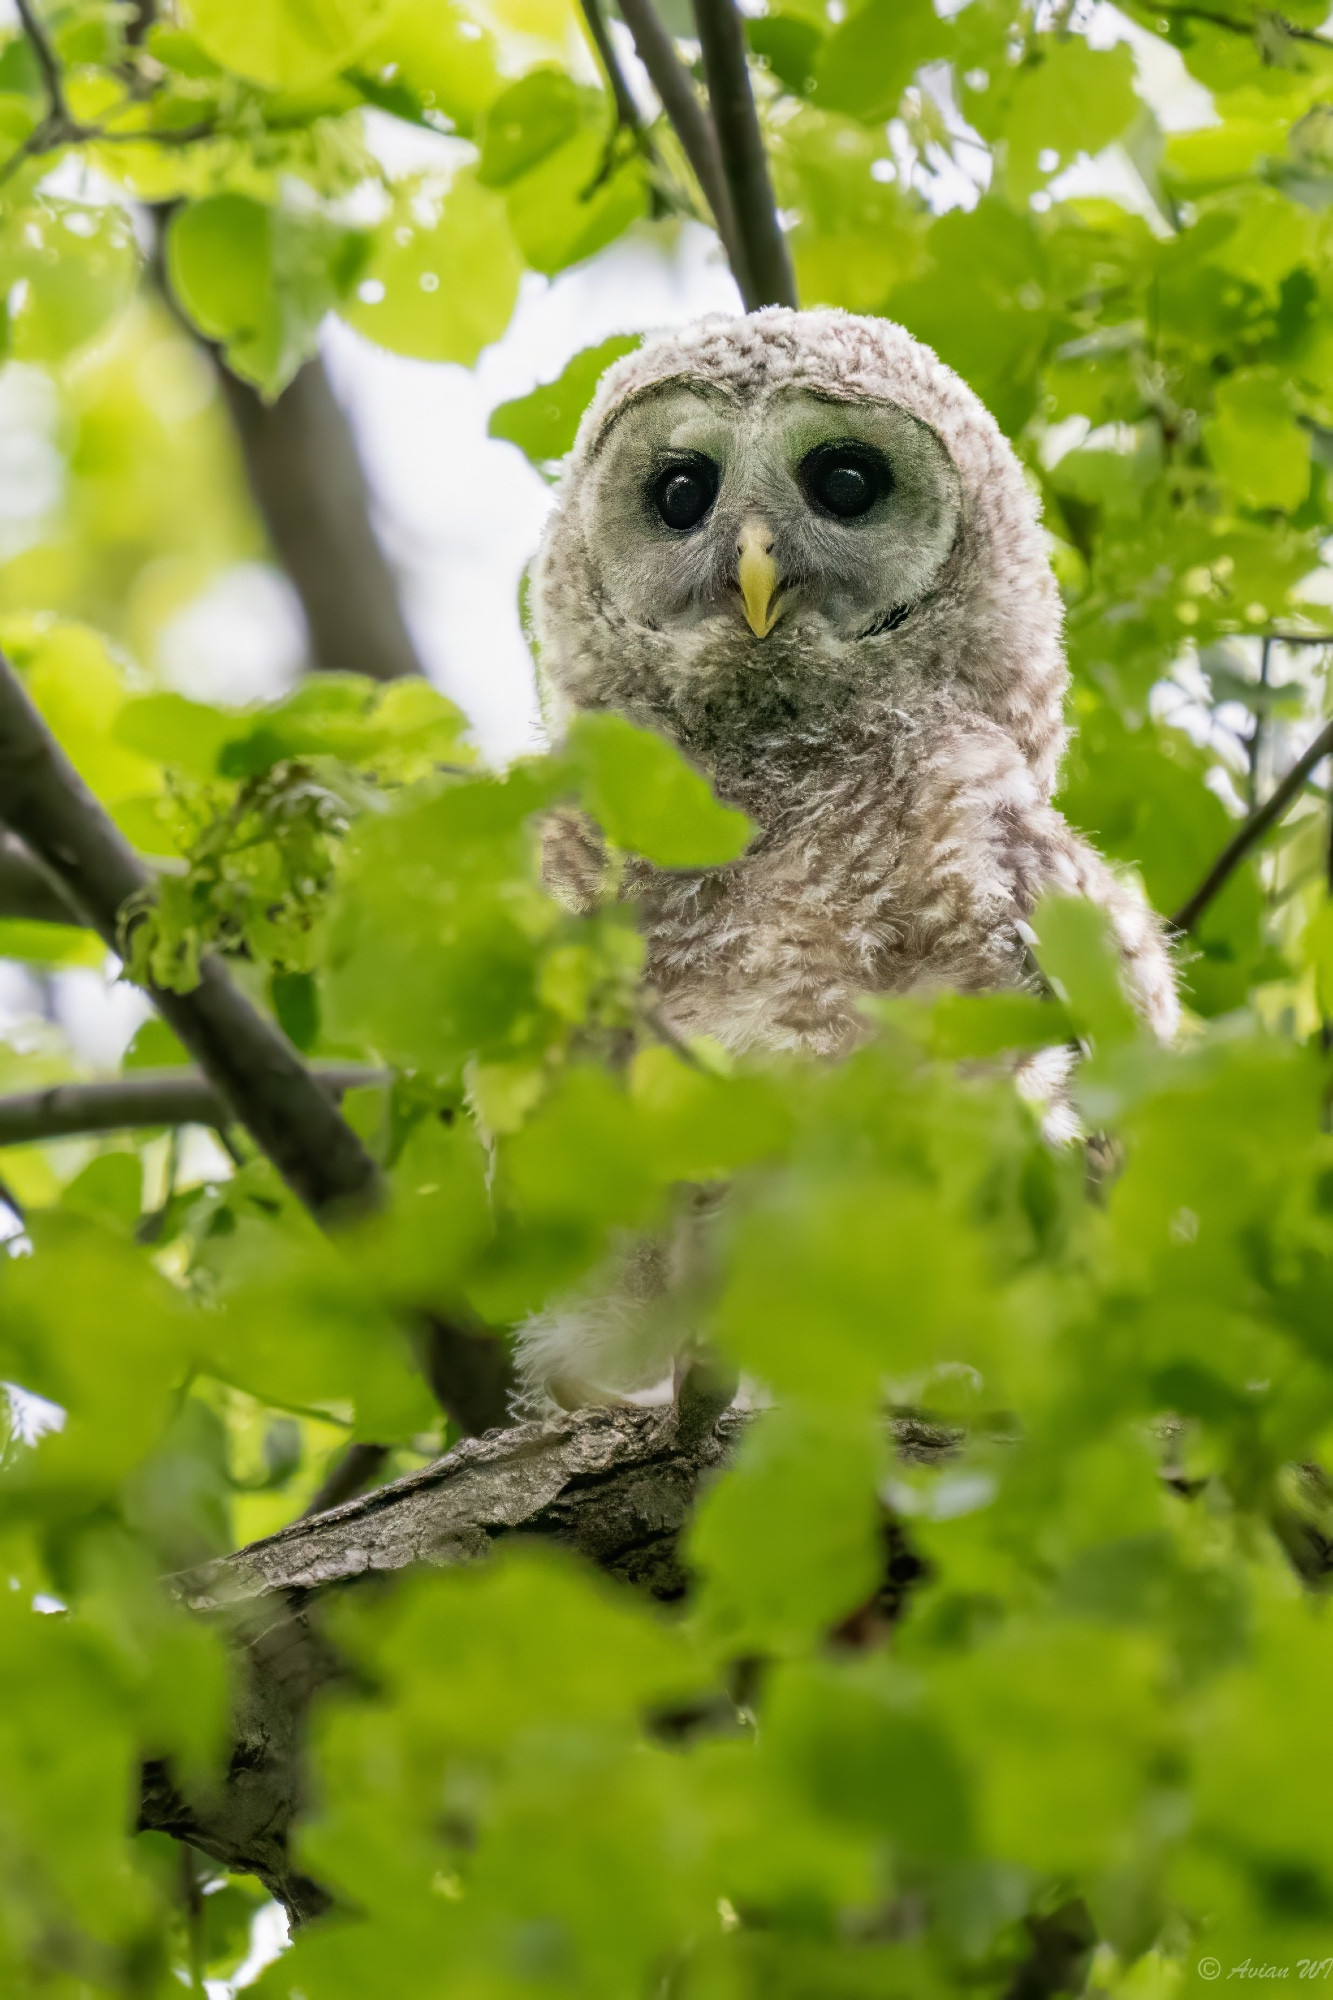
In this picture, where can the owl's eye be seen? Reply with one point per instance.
(845, 479)
(685, 491)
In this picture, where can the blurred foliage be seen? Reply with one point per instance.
(1090, 1753)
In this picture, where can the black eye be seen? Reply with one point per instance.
(686, 490)
(845, 479)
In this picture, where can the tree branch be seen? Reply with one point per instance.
(617, 1485)
(1252, 831)
(246, 1057)
(310, 487)
(27, 890)
(148, 1097)
(627, 111)
(693, 127)
(741, 146)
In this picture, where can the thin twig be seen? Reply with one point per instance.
(193, 1904)
(1248, 28)
(58, 126)
(246, 1057)
(143, 1099)
(1252, 831)
(627, 111)
(744, 161)
(53, 81)
(692, 126)
(1254, 748)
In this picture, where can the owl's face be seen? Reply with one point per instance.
(722, 513)
(783, 534)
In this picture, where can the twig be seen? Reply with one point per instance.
(53, 81)
(1248, 28)
(1252, 831)
(193, 1903)
(1254, 748)
(627, 111)
(741, 145)
(58, 126)
(248, 1060)
(693, 127)
(151, 1097)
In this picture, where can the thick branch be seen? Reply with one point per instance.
(1252, 831)
(150, 1097)
(310, 487)
(617, 1485)
(744, 161)
(246, 1058)
(693, 127)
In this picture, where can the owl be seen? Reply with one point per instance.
(797, 545)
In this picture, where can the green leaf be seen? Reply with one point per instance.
(1075, 100)
(983, 304)
(66, 268)
(790, 45)
(304, 1328)
(439, 924)
(646, 798)
(857, 1743)
(117, 1388)
(431, 59)
(1255, 442)
(529, 120)
(286, 44)
(442, 275)
(261, 279)
(544, 423)
(567, 206)
(975, 1024)
(788, 1544)
(871, 57)
(185, 734)
(1076, 950)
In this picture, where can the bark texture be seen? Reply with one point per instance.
(616, 1485)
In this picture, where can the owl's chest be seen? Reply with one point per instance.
(777, 950)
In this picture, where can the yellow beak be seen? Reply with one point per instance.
(758, 578)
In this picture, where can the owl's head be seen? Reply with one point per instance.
(777, 532)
